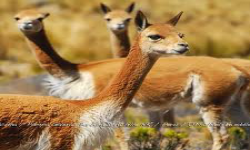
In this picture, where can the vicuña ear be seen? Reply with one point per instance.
(175, 19)
(141, 21)
(130, 7)
(45, 15)
(105, 9)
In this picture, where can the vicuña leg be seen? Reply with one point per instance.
(245, 104)
(239, 111)
(155, 118)
(237, 116)
(245, 108)
(168, 116)
(213, 118)
(158, 118)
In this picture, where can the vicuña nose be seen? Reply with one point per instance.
(120, 26)
(184, 47)
(184, 44)
(27, 26)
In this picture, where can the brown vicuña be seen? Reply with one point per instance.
(170, 81)
(33, 122)
(118, 22)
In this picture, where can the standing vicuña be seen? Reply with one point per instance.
(50, 123)
(171, 80)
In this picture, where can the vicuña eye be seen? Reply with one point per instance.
(155, 37)
(17, 18)
(108, 19)
(181, 35)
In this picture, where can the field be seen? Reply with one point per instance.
(77, 30)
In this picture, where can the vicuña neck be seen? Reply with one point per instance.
(48, 58)
(125, 84)
(120, 44)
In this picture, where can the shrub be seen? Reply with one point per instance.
(238, 138)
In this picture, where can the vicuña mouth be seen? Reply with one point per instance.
(182, 50)
(27, 28)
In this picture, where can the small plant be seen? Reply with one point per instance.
(106, 147)
(238, 138)
(144, 139)
(149, 139)
(174, 140)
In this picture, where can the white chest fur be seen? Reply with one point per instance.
(96, 125)
(68, 88)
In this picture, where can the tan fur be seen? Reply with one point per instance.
(175, 71)
(27, 110)
(173, 79)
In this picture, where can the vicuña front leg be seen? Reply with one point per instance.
(168, 116)
(155, 118)
(213, 118)
(236, 114)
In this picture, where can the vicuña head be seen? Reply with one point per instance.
(117, 23)
(160, 38)
(117, 20)
(30, 21)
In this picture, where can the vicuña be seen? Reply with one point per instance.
(118, 22)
